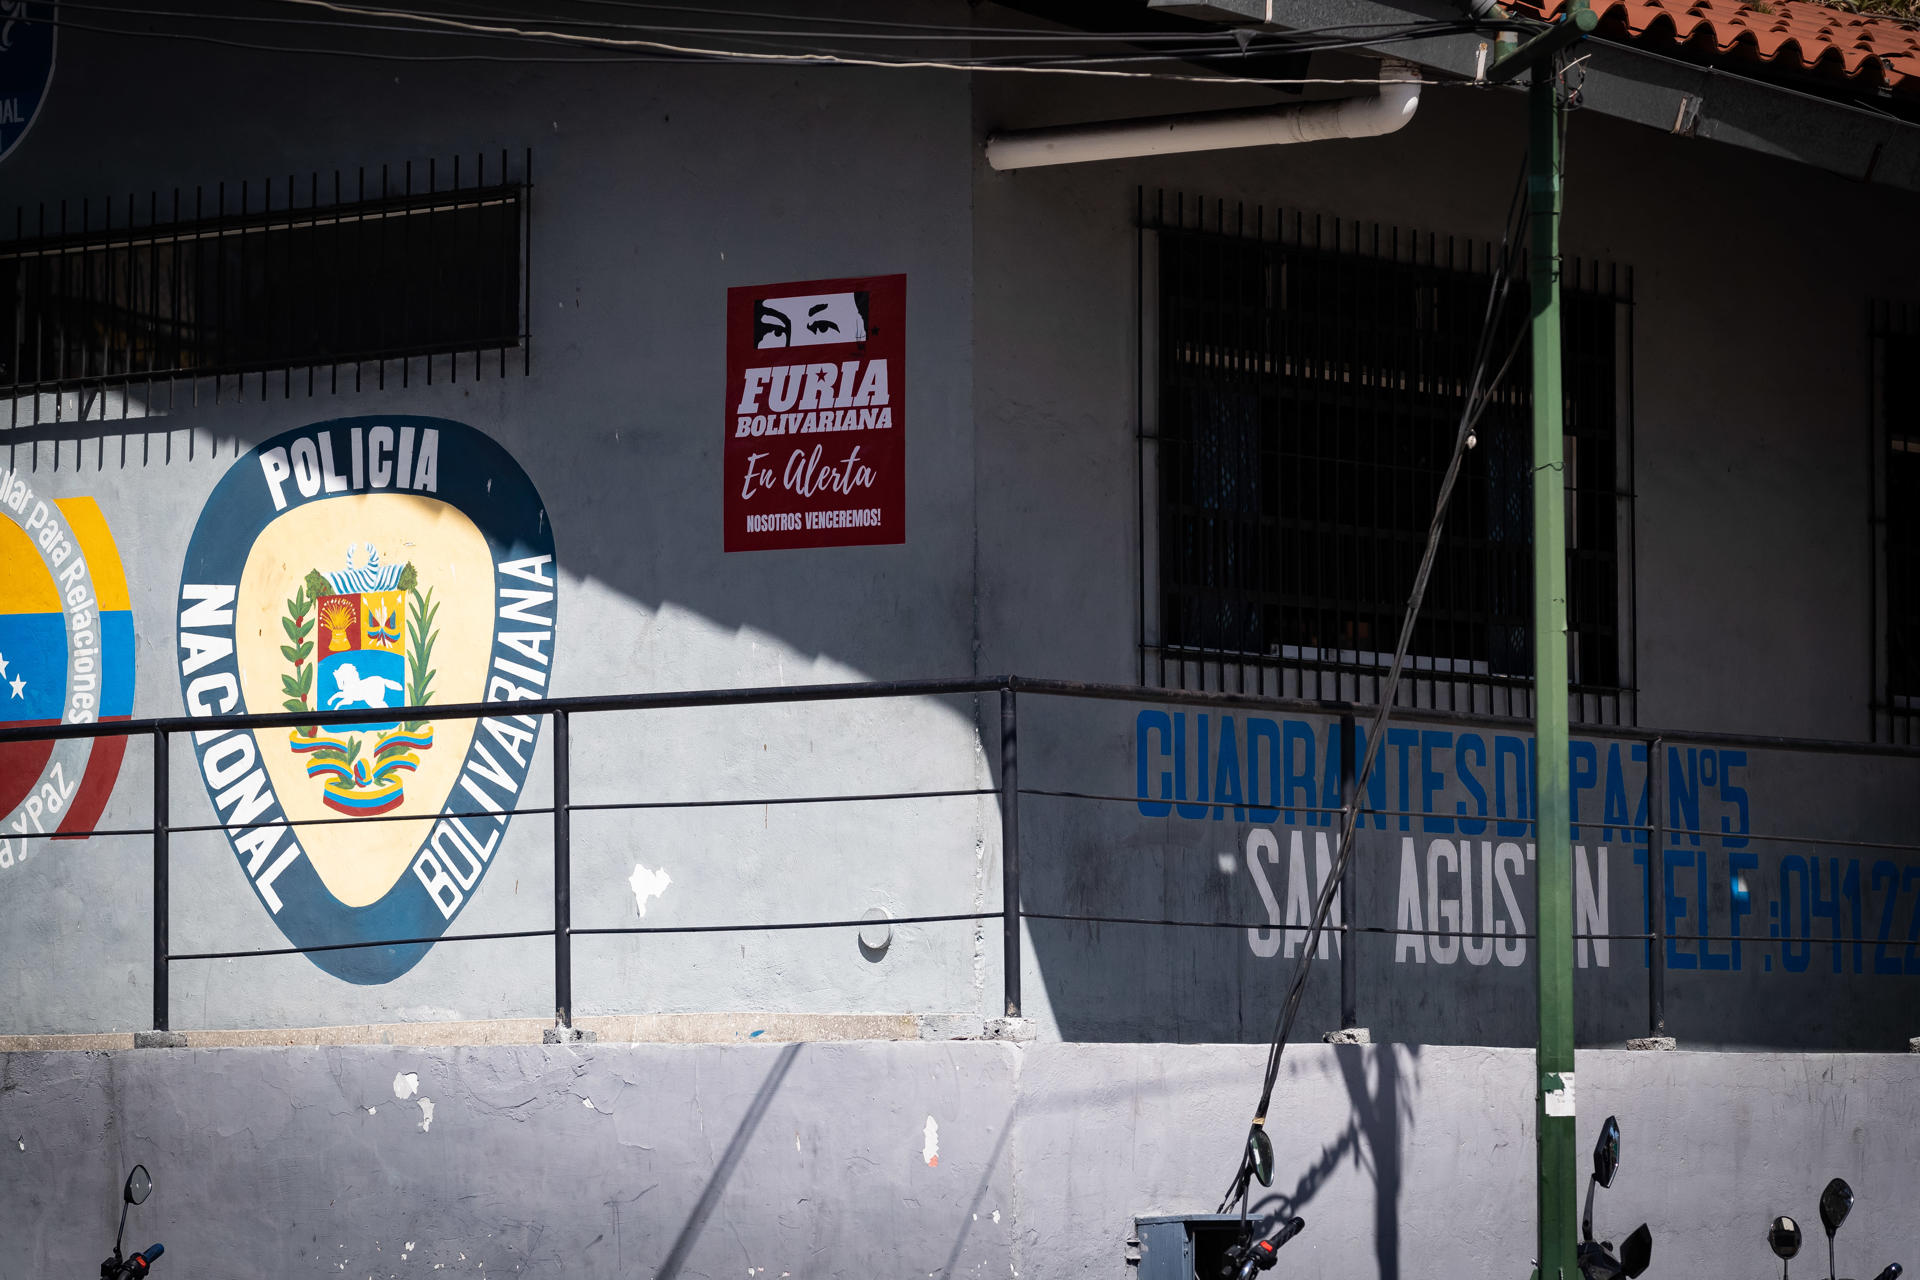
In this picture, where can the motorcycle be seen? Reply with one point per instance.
(1595, 1258)
(139, 1186)
(1250, 1257)
(1836, 1202)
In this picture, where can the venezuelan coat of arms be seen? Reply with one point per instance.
(375, 632)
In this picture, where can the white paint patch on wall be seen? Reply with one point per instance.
(647, 884)
(1559, 1100)
(406, 1084)
(426, 1114)
(930, 1150)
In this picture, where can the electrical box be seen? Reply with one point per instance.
(1190, 1246)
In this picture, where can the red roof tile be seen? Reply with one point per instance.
(1789, 36)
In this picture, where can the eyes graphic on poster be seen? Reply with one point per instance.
(368, 565)
(815, 443)
(813, 320)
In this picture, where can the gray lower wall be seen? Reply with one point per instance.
(811, 1159)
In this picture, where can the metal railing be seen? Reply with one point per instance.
(1008, 793)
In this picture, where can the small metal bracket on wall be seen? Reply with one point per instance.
(1687, 115)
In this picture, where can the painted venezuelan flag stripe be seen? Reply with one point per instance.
(34, 647)
(365, 802)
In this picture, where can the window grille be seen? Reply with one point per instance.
(1309, 377)
(1896, 521)
(115, 308)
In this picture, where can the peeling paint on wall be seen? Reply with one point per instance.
(930, 1151)
(647, 884)
(406, 1084)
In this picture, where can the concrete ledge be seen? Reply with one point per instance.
(109, 1040)
(1654, 1044)
(1349, 1035)
(723, 1028)
(650, 1028)
(1016, 1029)
(498, 1031)
(159, 1040)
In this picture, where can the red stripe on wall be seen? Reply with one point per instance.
(20, 765)
(103, 768)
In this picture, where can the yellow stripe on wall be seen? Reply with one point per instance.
(24, 584)
(96, 543)
(26, 587)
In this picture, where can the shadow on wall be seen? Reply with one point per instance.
(723, 1169)
(1382, 1112)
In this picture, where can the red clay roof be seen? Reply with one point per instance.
(1777, 36)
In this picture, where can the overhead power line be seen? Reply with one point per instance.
(647, 49)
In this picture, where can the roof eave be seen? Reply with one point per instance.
(1644, 87)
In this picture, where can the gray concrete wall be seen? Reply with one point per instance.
(1749, 529)
(661, 186)
(658, 187)
(822, 1159)
(1750, 451)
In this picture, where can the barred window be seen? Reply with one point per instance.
(1309, 391)
(1896, 449)
(105, 305)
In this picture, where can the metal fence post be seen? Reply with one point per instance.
(1010, 848)
(1657, 886)
(562, 873)
(161, 778)
(1349, 888)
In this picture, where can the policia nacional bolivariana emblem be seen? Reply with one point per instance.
(368, 565)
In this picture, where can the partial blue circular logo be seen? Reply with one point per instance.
(27, 38)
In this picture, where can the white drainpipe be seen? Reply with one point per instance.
(1370, 117)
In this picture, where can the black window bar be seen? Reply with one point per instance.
(1894, 445)
(108, 308)
(1308, 375)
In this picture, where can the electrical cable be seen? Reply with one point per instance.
(1386, 34)
(940, 31)
(1480, 392)
(663, 46)
(369, 55)
(1224, 45)
(716, 58)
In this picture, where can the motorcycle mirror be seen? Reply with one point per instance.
(139, 1185)
(1836, 1202)
(1636, 1251)
(1260, 1152)
(1606, 1153)
(1784, 1238)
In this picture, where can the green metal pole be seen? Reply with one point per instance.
(1554, 1119)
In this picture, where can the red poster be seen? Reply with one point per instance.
(816, 398)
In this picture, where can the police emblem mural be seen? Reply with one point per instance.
(66, 657)
(368, 564)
